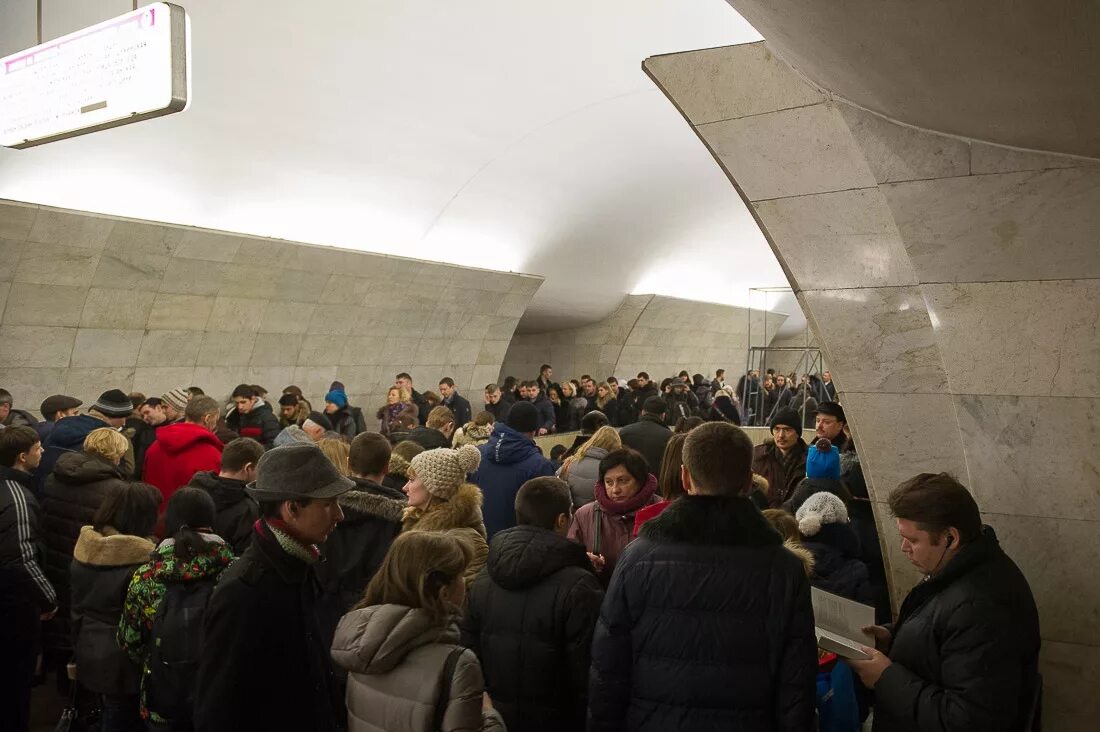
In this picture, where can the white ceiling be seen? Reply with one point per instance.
(492, 133)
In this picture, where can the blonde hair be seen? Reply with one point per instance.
(417, 566)
(784, 523)
(606, 437)
(337, 451)
(106, 443)
(439, 418)
(404, 396)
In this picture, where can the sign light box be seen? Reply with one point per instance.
(123, 70)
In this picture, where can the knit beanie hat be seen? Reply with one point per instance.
(787, 418)
(337, 386)
(823, 460)
(820, 508)
(176, 398)
(443, 470)
(523, 417)
(337, 397)
(114, 403)
(320, 419)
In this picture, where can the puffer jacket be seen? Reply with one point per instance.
(235, 511)
(837, 565)
(965, 648)
(147, 589)
(529, 618)
(68, 436)
(355, 549)
(615, 525)
(343, 422)
(460, 516)
(260, 424)
(395, 657)
(508, 460)
(180, 451)
(102, 566)
(582, 476)
(74, 492)
(707, 625)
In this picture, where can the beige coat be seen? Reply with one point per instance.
(460, 516)
(395, 656)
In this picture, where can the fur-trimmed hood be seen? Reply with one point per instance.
(711, 520)
(374, 503)
(111, 549)
(803, 554)
(461, 512)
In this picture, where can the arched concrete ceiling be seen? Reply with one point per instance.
(491, 133)
(1023, 74)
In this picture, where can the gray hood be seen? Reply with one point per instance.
(376, 639)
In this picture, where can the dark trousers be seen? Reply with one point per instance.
(19, 637)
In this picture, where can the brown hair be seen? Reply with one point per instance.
(369, 454)
(336, 450)
(605, 437)
(417, 566)
(670, 482)
(130, 508)
(718, 457)
(784, 523)
(935, 503)
(439, 418)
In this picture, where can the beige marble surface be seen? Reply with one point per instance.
(897, 153)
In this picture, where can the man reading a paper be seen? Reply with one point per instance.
(963, 652)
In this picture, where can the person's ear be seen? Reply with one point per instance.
(561, 523)
(953, 537)
(685, 478)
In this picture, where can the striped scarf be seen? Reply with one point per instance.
(308, 553)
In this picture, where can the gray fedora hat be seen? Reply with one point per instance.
(298, 470)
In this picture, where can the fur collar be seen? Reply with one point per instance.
(111, 549)
(713, 521)
(461, 512)
(804, 555)
(373, 504)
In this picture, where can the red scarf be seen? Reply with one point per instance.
(630, 505)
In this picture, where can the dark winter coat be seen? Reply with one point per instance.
(529, 618)
(965, 648)
(508, 460)
(263, 663)
(180, 451)
(101, 569)
(837, 565)
(605, 527)
(429, 438)
(783, 472)
(648, 436)
(422, 407)
(343, 423)
(547, 419)
(22, 580)
(611, 409)
(236, 511)
(74, 492)
(389, 419)
(67, 436)
(260, 424)
(809, 486)
(677, 409)
(499, 410)
(723, 409)
(707, 625)
(354, 551)
(460, 407)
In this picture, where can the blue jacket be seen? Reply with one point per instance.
(508, 460)
(67, 435)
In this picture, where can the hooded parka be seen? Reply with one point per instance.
(180, 451)
(235, 511)
(582, 476)
(459, 516)
(508, 460)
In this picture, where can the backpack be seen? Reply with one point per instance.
(174, 650)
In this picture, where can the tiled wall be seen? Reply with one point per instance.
(652, 333)
(92, 302)
(955, 289)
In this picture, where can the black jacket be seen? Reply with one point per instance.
(707, 625)
(677, 409)
(422, 407)
(428, 438)
(343, 422)
(965, 648)
(837, 565)
(648, 436)
(499, 410)
(529, 618)
(74, 491)
(22, 579)
(263, 663)
(460, 406)
(236, 511)
(260, 424)
(547, 418)
(354, 551)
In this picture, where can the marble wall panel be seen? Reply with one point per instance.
(57, 264)
(180, 312)
(92, 381)
(160, 348)
(131, 270)
(896, 153)
(731, 82)
(210, 246)
(5, 288)
(192, 277)
(986, 158)
(36, 346)
(16, 220)
(1015, 226)
(793, 152)
(155, 380)
(111, 308)
(1071, 673)
(1027, 338)
(838, 240)
(31, 304)
(10, 253)
(106, 347)
(69, 228)
(140, 237)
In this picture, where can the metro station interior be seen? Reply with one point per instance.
(472, 190)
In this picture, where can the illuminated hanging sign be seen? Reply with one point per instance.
(127, 69)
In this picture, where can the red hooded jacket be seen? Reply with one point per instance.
(180, 451)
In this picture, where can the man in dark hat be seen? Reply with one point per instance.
(55, 408)
(829, 424)
(110, 410)
(782, 459)
(262, 647)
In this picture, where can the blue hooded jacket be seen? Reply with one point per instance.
(67, 435)
(508, 460)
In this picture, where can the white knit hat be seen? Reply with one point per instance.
(443, 470)
(820, 508)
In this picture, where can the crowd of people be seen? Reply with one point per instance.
(185, 563)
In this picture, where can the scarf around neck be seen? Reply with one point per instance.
(308, 553)
(630, 505)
